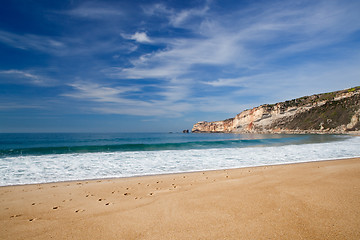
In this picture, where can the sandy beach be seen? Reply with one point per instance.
(316, 200)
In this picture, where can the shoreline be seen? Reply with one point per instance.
(290, 132)
(177, 173)
(311, 200)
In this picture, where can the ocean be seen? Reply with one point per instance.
(53, 157)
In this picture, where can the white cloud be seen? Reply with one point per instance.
(95, 11)
(177, 18)
(31, 41)
(243, 41)
(141, 37)
(247, 42)
(248, 45)
(27, 77)
(227, 82)
(126, 100)
(11, 106)
(99, 93)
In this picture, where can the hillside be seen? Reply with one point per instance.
(334, 112)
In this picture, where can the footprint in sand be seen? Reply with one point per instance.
(79, 210)
(32, 219)
(56, 207)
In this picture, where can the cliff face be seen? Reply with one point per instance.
(335, 112)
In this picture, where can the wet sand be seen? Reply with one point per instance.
(317, 200)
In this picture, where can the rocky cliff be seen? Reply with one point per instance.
(334, 112)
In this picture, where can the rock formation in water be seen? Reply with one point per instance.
(334, 112)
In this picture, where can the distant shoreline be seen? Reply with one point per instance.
(300, 132)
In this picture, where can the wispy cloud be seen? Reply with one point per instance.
(127, 100)
(99, 93)
(31, 42)
(94, 10)
(25, 77)
(281, 30)
(175, 58)
(175, 17)
(247, 43)
(15, 106)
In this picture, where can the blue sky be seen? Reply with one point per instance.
(132, 66)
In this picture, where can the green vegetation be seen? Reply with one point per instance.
(303, 101)
(328, 116)
(353, 89)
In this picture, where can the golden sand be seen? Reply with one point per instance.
(317, 200)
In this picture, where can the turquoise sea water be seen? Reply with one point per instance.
(61, 143)
(46, 157)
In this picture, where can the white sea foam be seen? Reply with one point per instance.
(79, 166)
